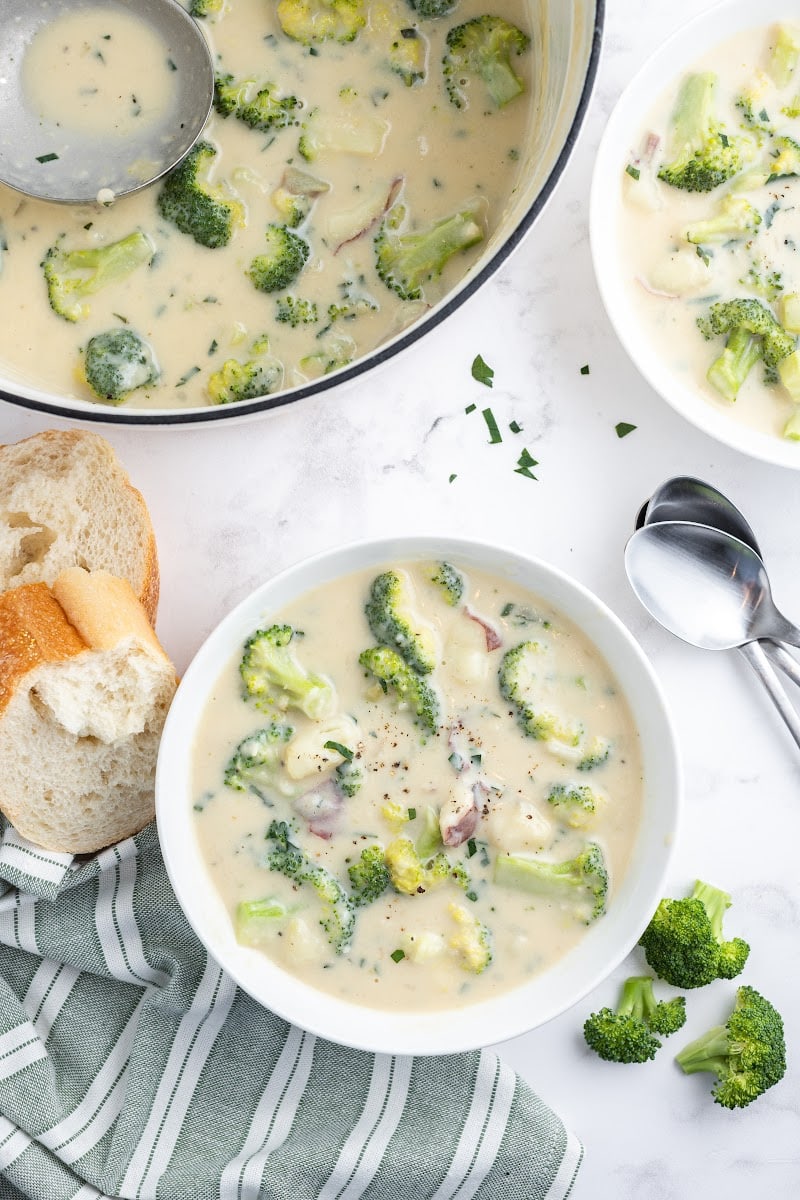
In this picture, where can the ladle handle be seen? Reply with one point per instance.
(754, 653)
(780, 657)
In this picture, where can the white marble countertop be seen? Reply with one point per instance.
(232, 505)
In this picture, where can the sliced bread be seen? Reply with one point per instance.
(84, 692)
(66, 501)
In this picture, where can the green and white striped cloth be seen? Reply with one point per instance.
(132, 1066)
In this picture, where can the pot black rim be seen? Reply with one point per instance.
(138, 418)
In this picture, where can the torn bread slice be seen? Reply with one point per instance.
(84, 691)
(66, 501)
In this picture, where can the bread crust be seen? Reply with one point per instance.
(57, 447)
(34, 629)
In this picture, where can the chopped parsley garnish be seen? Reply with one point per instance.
(515, 427)
(187, 376)
(524, 464)
(398, 955)
(345, 751)
(482, 371)
(494, 429)
(623, 428)
(451, 478)
(470, 408)
(472, 847)
(585, 369)
(412, 813)
(704, 254)
(633, 171)
(45, 158)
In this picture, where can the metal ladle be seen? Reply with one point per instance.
(684, 498)
(711, 589)
(42, 157)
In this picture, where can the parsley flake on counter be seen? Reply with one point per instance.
(524, 464)
(623, 428)
(585, 369)
(482, 371)
(452, 477)
(494, 429)
(470, 408)
(515, 427)
(45, 158)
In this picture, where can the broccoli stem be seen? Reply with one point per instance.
(707, 1053)
(728, 372)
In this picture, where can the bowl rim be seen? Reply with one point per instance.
(39, 401)
(507, 1014)
(622, 132)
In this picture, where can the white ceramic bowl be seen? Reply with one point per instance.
(509, 1014)
(566, 43)
(622, 135)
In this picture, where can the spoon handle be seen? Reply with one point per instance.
(754, 653)
(780, 657)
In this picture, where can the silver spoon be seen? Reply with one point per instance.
(711, 590)
(684, 498)
(116, 143)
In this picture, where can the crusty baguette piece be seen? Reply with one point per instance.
(66, 501)
(84, 692)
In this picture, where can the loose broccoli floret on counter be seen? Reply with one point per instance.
(408, 55)
(628, 1034)
(703, 155)
(294, 311)
(735, 218)
(450, 582)
(778, 348)
(258, 375)
(390, 614)
(74, 275)
(204, 212)
(683, 942)
(406, 261)
(283, 856)
(517, 677)
(433, 8)
(117, 362)
(257, 921)
(785, 54)
(309, 21)
(341, 133)
(274, 678)
(207, 8)
(580, 882)
(472, 941)
(369, 876)
(747, 1053)
(410, 874)
(295, 195)
(282, 261)
(578, 805)
(407, 688)
(484, 47)
(257, 104)
(256, 763)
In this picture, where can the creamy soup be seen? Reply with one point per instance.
(400, 147)
(418, 846)
(687, 250)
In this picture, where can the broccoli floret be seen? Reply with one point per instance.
(580, 882)
(354, 302)
(596, 753)
(295, 195)
(338, 919)
(117, 362)
(785, 54)
(256, 763)
(393, 622)
(259, 375)
(703, 155)
(517, 677)
(349, 777)
(331, 354)
(187, 199)
(274, 678)
(341, 133)
(207, 8)
(728, 372)
(258, 105)
(74, 275)
(484, 47)
(747, 1053)
(433, 8)
(369, 876)
(408, 55)
(628, 1035)
(257, 921)
(406, 261)
(683, 942)
(282, 261)
(786, 160)
(769, 285)
(408, 689)
(309, 21)
(294, 311)
(412, 875)
(450, 582)
(472, 941)
(750, 316)
(579, 804)
(735, 218)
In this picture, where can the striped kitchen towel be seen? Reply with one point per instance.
(131, 1065)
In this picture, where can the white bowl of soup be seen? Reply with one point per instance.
(330, 142)
(418, 795)
(692, 225)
